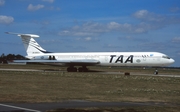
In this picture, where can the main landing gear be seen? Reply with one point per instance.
(74, 69)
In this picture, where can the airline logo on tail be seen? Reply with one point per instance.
(31, 46)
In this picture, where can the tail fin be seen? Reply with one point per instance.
(31, 46)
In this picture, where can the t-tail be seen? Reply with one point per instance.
(31, 46)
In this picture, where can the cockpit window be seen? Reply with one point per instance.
(166, 57)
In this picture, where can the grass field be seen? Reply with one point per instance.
(56, 86)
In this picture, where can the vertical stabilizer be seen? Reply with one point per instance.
(31, 46)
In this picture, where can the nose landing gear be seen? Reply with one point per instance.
(156, 72)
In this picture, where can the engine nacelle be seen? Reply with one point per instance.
(44, 57)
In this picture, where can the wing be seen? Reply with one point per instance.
(79, 62)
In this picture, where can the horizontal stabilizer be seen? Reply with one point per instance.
(24, 35)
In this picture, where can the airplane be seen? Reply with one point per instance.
(36, 54)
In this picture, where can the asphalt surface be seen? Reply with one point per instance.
(42, 107)
(7, 69)
(160, 75)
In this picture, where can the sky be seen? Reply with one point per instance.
(93, 25)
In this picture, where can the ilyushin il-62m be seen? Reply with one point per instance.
(36, 54)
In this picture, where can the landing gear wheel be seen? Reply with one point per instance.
(72, 69)
(82, 69)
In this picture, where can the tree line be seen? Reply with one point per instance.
(4, 58)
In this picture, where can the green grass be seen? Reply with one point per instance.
(19, 86)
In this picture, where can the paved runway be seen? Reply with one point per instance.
(133, 73)
(7, 69)
(159, 75)
(121, 73)
(42, 107)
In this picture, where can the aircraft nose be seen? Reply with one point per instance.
(172, 60)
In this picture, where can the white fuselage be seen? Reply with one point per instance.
(112, 58)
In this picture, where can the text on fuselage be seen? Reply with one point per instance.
(121, 59)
